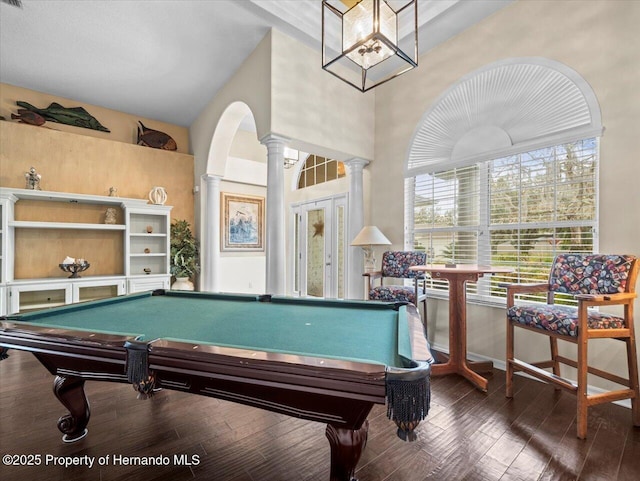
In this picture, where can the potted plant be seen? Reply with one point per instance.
(185, 255)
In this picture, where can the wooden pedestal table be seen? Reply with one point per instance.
(457, 362)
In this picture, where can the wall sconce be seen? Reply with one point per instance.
(368, 42)
(291, 157)
(368, 237)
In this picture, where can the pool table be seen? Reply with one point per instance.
(322, 360)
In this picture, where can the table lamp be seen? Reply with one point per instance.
(368, 237)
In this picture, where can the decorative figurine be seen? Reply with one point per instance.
(155, 139)
(76, 116)
(110, 216)
(158, 195)
(28, 117)
(113, 192)
(33, 179)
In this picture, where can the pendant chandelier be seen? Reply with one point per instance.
(368, 42)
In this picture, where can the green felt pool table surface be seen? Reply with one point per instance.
(349, 330)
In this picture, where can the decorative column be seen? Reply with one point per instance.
(355, 265)
(210, 243)
(275, 226)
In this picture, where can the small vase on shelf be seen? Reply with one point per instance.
(182, 284)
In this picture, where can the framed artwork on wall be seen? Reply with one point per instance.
(242, 222)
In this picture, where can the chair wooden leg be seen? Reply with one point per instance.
(424, 315)
(632, 361)
(509, 371)
(553, 344)
(582, 406)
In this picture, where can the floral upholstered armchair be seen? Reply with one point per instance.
(395, 265)
(594, 280)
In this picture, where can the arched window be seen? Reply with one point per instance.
(317, 170)
(502, 170)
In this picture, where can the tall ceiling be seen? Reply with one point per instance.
(166, 59)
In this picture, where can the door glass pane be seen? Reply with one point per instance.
(33, 300)
(340, 248)
(97, 292)
(315, 253)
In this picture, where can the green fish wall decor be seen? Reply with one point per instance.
(76, 116)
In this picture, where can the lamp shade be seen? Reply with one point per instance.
(368, 42)
(370, 235)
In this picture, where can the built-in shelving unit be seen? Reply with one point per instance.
(145, 261)
(147, 248)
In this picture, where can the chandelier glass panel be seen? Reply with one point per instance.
(368, 42)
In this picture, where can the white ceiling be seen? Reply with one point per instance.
(166, 59)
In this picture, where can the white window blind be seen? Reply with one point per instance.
(518, 211)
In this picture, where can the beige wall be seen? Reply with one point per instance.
(81, 164)
(320, 113)
(123, 126)
(599, 40)
(87, 165)
(289, 95)
(246, 146)
(251, 84)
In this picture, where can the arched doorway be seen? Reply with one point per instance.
(226, 171)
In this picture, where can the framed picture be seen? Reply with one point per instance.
(242, 222)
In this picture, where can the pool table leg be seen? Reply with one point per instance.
(70, 392)
(346, 447)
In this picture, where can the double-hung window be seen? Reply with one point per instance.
(517, 211)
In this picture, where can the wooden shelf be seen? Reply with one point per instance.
(29, 224)
(27, 194)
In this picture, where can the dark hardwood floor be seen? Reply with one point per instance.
(467, 436)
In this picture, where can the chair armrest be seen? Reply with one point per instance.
(524, 288)
(513, 289)
(606, 299)
(373, 275)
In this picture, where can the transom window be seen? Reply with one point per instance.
(317, 170)
(517, 211)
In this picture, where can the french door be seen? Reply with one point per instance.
(319, 238)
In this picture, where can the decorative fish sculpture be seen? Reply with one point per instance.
(28, 117)
(76, 116)
(155, 139)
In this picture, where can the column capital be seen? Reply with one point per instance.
(211, 178)
(272, 138)
(356, 163)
